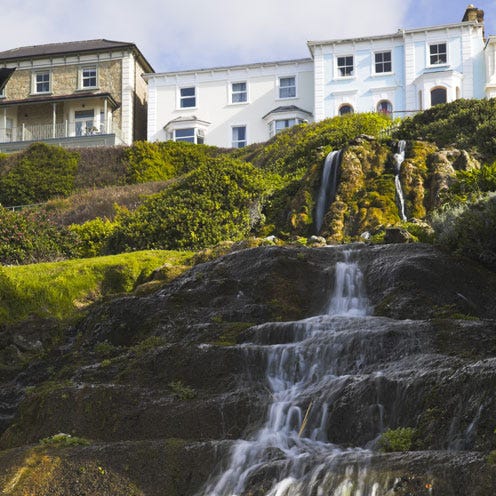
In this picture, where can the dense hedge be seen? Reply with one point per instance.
(160, 161)
(215, 202)
(37, 174)
(29, 237)
(467, 124)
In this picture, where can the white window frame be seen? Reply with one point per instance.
(232, 93)
(35, 82)
(374, 62)
(180, 98)
(338, 67)
(198, 134)
(235, 143)
(429, 55)
(82, 77)
(279, 87)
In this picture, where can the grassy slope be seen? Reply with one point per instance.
(61, 289)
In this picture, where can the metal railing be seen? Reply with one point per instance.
(66, 129)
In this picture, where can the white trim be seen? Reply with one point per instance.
(80, 76)
(231, 137)
(34, 83)
(180, 98)
(278, 87)
(428, 53)
(374, 72)
(230, 92)
(337, 72)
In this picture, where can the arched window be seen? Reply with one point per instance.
(385, 107)
(438, 95)
(345, 109)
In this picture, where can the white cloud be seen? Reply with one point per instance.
(176, 34)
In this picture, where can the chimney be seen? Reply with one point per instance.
(473, 14)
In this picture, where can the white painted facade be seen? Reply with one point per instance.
(397, 73)
(490, 65)
(400, 74)
(256, 97)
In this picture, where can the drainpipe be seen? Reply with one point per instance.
(3, 135)
(54, 120)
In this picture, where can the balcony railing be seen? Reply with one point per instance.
(66, 129)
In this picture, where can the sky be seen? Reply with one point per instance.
(193, 34)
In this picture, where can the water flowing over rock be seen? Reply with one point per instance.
(271, 372)
(328, 186)
(399, 158)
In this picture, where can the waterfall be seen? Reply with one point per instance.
(398, 158)
(298, 375)
(328, 186)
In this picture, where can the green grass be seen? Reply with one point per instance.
(62, 289)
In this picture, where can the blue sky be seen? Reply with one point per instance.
(185, 34)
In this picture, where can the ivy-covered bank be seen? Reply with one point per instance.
(179, 196)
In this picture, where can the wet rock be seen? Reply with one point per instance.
(397, 235)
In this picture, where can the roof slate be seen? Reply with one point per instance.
(60, 48)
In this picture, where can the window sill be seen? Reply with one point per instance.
(234, 104)
(88, 88)
(379, 74)
(438, 66)
(287, 98)
(182, 109)
(42, 93)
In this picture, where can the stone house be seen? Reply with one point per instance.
(82, 93)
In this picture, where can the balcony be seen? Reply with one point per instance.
(67, 134)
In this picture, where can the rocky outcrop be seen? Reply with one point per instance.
(154, 390)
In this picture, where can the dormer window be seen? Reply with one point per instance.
(438, 54)
(41, 82)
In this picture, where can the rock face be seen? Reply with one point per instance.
(156, 391)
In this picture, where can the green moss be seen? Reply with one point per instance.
(182, 391)
(400, 439)
(62, 440)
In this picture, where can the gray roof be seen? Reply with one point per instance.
(52, 49)
(287, 108)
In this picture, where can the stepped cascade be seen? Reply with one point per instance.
(399, 158)
(328, 186)
(296, 423)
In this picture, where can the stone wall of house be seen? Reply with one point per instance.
(140, 104)
(65, 81)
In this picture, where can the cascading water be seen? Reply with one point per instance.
(328, 186)
(301, 377)
(399, 158)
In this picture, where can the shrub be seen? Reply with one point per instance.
(38, 174)
(215, 202)
(400, 439)
(469, 230)
(62, 440)
(29, 237)
(467, 124)
(91, 236)
(160, 161)
(293, 151)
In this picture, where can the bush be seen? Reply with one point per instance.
(38, 174)
(91, 236)
(29, 237)
(400, 439)
(295, 150)
(215, 202)
(467, 124)
(160, 161)
(469, 230)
